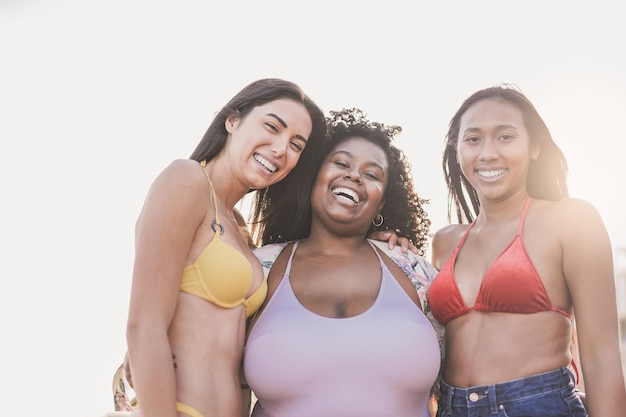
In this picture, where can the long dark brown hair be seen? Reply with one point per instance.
(547, 176)
(292, 188)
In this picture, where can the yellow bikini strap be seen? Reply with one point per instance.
(216, 223)
(187, 409)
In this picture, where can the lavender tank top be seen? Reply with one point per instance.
(382, 362)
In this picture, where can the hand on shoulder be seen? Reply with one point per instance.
(409, 262)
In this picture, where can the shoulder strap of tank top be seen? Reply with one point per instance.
(293, 252)
(380, 259)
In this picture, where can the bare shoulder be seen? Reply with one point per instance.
(571, 212)
(451, 231)
(181, 179)
(449, 235)
(184, 171)
(577, 223)
(444, 241)
(571, 206)
(179, 190)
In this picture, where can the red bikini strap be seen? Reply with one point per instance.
(575, 370)
(520, 228)
(465, 234)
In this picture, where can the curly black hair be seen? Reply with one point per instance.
(403, 211)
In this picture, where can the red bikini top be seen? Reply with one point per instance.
(510, 285)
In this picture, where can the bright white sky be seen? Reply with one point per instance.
(97, 97)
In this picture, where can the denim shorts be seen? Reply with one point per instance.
(549, 394)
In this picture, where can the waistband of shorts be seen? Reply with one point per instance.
(493, 394)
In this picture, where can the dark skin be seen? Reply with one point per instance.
(335, 272)
(314, 270)
(389, 236)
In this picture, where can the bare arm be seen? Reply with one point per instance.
(170, 217)
(588, 271)
(444, 242)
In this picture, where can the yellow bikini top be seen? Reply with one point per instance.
(221, 274)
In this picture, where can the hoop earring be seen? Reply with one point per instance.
(378, 220)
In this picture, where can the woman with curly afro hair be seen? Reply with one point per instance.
(285, 217)
(345, 328)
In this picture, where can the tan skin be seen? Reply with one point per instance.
(182, 347)
(572, 257)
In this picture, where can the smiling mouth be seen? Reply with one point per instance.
(346, 193)
(491, 174)
(266, 164)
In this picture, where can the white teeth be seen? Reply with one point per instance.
(491, 174)
(346, 192)
(267, 164)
